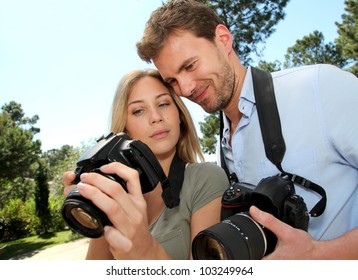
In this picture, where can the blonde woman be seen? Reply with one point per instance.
(143, 227)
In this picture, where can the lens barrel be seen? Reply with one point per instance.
(83, 216)
(238, 237)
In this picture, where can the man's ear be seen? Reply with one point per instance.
(224, 37)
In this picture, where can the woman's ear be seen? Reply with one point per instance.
(223, 36)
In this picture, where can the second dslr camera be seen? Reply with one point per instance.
(238, 236)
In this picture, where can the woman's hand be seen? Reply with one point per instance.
(129, 237)
(67, 180)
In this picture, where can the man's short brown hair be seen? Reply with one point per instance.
(174, 16)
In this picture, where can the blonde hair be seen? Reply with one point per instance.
(188, 147)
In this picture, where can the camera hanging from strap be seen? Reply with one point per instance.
(274, 143)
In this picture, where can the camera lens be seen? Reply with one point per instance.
(214, 249)
(237, 237)
(83, 216)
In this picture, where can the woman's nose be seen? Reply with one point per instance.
(155, 116)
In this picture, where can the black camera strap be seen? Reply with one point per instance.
(172, 184)
(176, 178)
(274, 143)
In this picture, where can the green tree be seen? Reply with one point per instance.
(210, 128)
(250, 22)
(18, 152)
(270, 66)
(312, 49)
(42, 195)
(18, 149)
(348, 34)
(60, 161)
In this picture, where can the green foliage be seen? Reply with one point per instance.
(250, 22)
(59, 161)
(18, 150)
(210, 129)
(270, 66)
(31, 191)
(312, 50)
(348, 34)
(42, 195)
(18, 219)
(22, 188)
(56, 222)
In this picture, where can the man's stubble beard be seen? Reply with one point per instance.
(225, 89)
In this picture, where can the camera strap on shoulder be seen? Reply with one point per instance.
(274, 143)
(153, 162)
(176, 178)
(172, 184)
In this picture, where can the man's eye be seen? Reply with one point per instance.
(190, 66)
(172, 82)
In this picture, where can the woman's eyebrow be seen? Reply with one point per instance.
(141, 101)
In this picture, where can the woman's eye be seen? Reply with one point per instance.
(137, 112)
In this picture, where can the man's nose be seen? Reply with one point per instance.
(186, 87)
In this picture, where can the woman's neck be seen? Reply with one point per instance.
(166, 162)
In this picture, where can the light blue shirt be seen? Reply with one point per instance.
(319, 119)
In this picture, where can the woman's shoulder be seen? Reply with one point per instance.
(203, 182)
(206, 170)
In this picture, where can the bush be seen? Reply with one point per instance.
(18, 219)
(57, 223)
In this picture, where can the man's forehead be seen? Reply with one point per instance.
(176, 50)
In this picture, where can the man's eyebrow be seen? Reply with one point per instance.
(185, 63)
(181, 67)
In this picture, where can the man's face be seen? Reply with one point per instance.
(197, 69)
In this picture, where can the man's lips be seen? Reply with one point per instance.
(197, 98)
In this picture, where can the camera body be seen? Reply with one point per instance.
(80, 213)
(238, 236)
(275, 195)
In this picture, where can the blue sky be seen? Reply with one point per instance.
(62, 60)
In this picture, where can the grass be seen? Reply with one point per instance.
(25, 247)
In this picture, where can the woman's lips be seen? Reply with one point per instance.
(160, 134)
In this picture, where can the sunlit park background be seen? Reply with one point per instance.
(61, 61)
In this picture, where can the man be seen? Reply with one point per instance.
(193, 51)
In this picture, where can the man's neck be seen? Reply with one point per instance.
(231, 110)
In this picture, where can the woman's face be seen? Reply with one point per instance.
(153, 117)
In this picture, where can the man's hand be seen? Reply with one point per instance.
(292, 243)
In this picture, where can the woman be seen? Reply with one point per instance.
(143, 228)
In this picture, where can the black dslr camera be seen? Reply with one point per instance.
(80, 213)
(238, 236)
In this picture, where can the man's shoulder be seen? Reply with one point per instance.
(307, 69)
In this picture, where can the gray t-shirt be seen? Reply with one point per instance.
(203, 182)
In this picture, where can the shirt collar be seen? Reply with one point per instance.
(246, 102)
